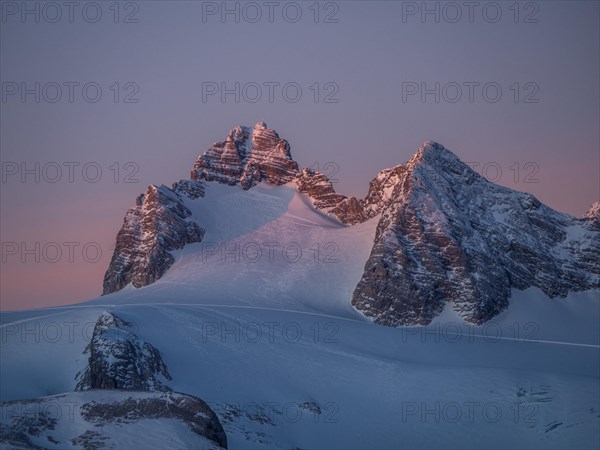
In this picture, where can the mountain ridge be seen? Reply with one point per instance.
(445, 234)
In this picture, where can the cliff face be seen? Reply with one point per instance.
(159, 224)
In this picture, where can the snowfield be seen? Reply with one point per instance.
(256, 321)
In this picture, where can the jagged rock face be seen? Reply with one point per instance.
(381, 189)
(449, 235)
(270, 158)
(159, 224)
(119, 360)
(352, 210)
(225, 161)
(248, 157)
(349, 210)
(320, 190)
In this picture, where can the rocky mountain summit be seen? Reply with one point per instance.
(247, 157)
(445, 235)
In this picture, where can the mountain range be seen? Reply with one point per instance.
(444, 234)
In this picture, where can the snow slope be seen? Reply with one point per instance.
(268, 373)
(266, 246)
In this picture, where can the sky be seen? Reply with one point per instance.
(129, 94)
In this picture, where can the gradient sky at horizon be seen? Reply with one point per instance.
(368, 54)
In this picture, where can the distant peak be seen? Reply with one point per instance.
(261, 125)
(593, 212)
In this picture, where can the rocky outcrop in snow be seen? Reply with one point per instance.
(119, 360)
(111, 419)
(449, 235)
(159, 224)
(125, 383)
(168, 406)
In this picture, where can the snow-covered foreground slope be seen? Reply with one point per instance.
(282, 379)
(256, 321)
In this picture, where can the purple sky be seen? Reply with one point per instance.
(371, 56)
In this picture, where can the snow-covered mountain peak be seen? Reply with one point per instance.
(435, 165)
(431, 152)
